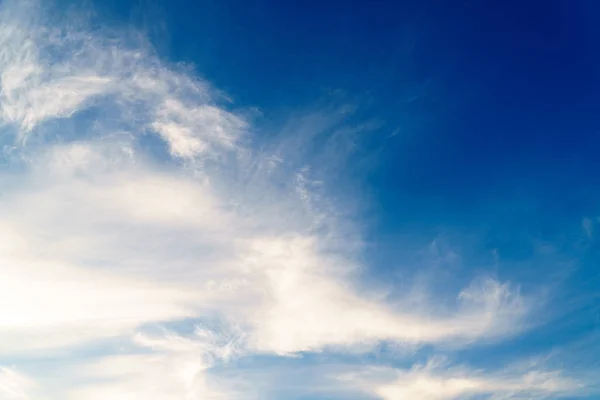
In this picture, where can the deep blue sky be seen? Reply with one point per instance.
(494, 104)
(480, 92)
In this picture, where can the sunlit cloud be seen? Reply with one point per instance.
(14, 385)
(99, 238)
(439, 380)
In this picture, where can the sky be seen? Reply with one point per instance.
(232, 200)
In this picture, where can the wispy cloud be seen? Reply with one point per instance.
(14, 385)
(439, 380)
(99, 238)
(173, 370)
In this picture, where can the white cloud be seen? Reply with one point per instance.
(176, 369)
(46, 305)
(96, 217)
(50, 72)
(190, 130)
(310, 308)
(98, 211)
(98, 239)
(438, 380)
(14, 385)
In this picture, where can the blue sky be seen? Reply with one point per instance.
(301, 200)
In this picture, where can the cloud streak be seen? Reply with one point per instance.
(439, 380)
(99, 238)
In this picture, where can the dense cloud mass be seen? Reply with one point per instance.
(148, 243)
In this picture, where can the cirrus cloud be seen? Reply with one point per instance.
(101, 238)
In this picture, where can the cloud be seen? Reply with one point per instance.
(189, 130)
(437, 380)
(109, 230)
(97, 211)
(54, 70)
(175, 369)
(309, 309)
(14, 385)
(100, 238)
(32, 89)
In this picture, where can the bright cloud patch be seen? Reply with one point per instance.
(100, 240)
(436, 381)
(14, 385)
